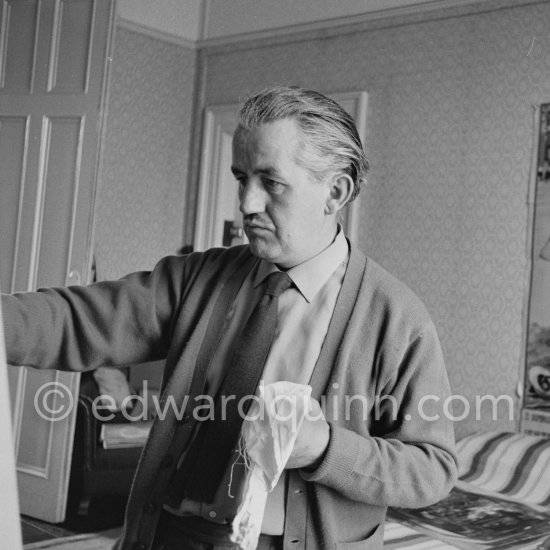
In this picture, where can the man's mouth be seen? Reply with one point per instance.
(255, 226)
(255, 232)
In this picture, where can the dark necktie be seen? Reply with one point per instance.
(208, 456)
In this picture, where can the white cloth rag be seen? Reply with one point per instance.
(267, 439)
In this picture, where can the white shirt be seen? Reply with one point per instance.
(304, 313)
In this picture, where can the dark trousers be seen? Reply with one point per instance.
(192, 533)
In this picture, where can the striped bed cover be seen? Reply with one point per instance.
(511, 465)
(501, 501)
(397, 536)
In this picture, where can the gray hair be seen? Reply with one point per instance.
(330, 132)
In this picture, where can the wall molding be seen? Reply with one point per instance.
(428, 10)
(390, 17)
(154, 33)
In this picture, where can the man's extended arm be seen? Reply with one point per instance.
(79, 328)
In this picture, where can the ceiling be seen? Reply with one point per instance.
(208, 20)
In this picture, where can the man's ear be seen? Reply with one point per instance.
(340, 192)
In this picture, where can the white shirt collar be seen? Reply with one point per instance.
(310, 276)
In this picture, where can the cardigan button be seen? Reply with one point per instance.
(298, 491)
(185, 419)
(150, 508)
(139, 546)
(167, 461)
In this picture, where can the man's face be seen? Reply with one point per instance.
(283, 206)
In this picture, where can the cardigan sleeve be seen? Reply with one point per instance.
(403, 455)
(109, 323)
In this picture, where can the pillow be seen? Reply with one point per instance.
(112, 382)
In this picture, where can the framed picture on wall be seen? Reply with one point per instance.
(536, 403)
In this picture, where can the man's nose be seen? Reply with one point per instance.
(252, 198)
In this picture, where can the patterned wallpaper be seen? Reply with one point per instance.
(449, 135)
(139, 212)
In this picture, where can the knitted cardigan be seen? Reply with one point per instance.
(380, 377)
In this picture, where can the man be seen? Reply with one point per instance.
(360, 338)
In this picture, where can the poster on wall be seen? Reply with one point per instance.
(536, 403)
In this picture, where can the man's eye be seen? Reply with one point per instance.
(272, 185)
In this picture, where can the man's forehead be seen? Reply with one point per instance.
(273, 137)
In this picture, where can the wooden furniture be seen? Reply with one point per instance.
(97, 472)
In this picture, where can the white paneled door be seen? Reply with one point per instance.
(53, 73)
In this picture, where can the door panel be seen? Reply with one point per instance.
(69, 63)
(59, 183)
(53, 60)
(13, 140)
(19, 18)
(33, 455)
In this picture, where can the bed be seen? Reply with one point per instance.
(501, 501)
